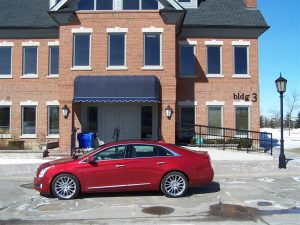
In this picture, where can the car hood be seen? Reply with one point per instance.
(61, 161)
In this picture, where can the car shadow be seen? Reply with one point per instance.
(213, 187)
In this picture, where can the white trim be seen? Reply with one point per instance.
(215, 75)
(29, 103)
(30, 43)
(187, 103)
(53, 43)
(52, 76)
(116, 30)
(175, 4)
(81, 68)
(5, 103)
(28, 136)
(54, 103)
(152, 68)
(246, 76)
(188, 42)
(117, 68)
(213, 42)
(6, 76)
(215, 103)
(240, 43)
(29, 76)
(5, 136)
(52, 136)
(152, 30)
(82, 30)
(242, 103)
(58, 5)
(6, 44)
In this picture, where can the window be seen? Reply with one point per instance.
(147, 118)
(53, 120)
(4, 120)
(95, 5)
(241, 60)
(214, 60)
(113, 153)
(28, 120)
(131, 4)
(187, 60)
(92, 119)
(142, 151)
(81, 50)
(117, 49)
(164, 152)
(214, 115)
(5, 60)
(152, 49)
(149, 4)
(242, 118)
(53, 60)
(187, 115)
(184, 0)
(30, 58)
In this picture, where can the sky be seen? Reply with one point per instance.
(279, 51)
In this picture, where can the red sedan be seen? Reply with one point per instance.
(126, 166)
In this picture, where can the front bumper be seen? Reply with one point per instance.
(42, 185)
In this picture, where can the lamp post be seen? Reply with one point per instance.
(281, 88)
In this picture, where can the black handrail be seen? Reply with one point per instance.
(225, 138)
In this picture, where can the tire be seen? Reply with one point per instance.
(65, 186)
(174, 184)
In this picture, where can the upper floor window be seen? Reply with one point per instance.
(95, 5)
(149, 4)
(30, 60)
(241, 60)
(5, 60)
(81, 50)
(214, 60)
(117, 49)
(187, 60)
(152, 49)
(53, 60)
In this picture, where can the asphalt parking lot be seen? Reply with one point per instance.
(243, 192)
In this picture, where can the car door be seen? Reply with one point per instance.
(144, 167)
(107, 172)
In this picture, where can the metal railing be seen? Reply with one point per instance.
(224, 138)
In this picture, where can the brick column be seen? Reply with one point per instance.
(251, 3)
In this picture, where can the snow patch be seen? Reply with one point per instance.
(266, 180)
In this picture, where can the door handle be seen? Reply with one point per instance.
(161, 163)
(120, 166)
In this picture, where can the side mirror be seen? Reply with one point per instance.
(91, 159)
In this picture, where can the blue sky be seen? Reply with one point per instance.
(279, 50)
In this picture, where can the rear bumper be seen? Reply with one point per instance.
(205, 178)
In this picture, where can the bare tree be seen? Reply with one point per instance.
(292, 104)
(275, 117)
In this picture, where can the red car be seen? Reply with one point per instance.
(126, 166)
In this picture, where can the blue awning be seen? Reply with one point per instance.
(116, 89)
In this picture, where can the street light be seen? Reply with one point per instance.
(281, 88)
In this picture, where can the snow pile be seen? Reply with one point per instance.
(290, 141)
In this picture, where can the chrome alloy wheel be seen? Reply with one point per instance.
(175, 185)
(65, 187)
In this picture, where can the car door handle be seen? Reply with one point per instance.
(120, 166)
(161, 163)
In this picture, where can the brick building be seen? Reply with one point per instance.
(121, 63)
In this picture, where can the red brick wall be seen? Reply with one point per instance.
(134, 21)
(251, 3)
(202, 88)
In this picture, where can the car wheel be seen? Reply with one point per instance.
(174, 185)
(65, 186)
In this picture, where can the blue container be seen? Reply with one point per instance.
(86, 140)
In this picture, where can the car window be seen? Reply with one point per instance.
(141, 151)
(117, 152)
(164, 152)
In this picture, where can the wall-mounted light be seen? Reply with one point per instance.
(65, 111)
(169, 112)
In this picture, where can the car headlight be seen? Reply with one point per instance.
(43, 171)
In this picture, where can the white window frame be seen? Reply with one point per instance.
(54, 103)
(52, 44)
(140, 6)
(154, 31)
(79, 31)
(30, 104)
(222, 112)
(245, 44)
(194, 45)
(249, 114)
(95, 7)
(8, 44)
(117, 31)
(7, 104)
(30, 44)
(215, 43)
